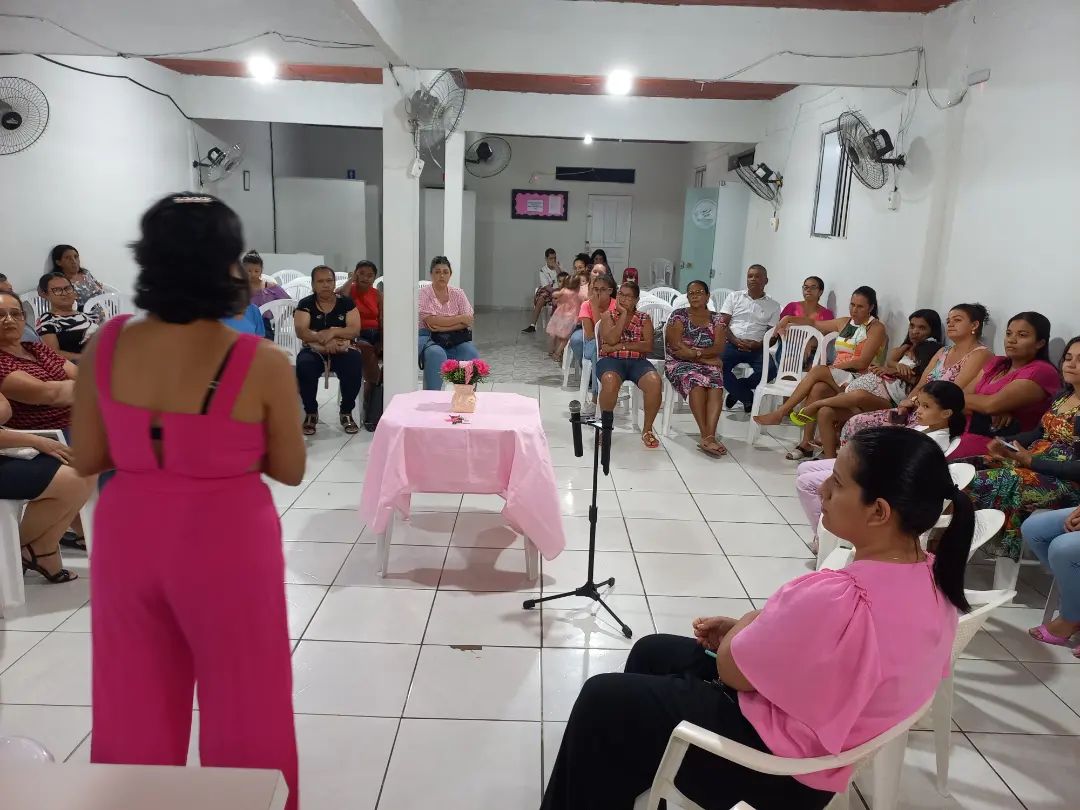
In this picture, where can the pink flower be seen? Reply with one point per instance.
(449, 365)
(482, 368)
(467, 367)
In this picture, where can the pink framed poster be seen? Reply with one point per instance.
(528, 203)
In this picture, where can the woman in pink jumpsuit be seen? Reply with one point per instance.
(188, 571)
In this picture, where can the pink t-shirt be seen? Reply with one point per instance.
(838, 657)
(586, 309)
(795, 309)
(457, 302)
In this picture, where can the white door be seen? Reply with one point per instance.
(609, 229)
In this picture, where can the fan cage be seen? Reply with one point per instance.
(24, 99)
(501, 153)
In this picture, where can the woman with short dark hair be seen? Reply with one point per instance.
(833, 659)
(446, 319)
(188, 563)
(63, 328)
(65, 259)
(263, 290)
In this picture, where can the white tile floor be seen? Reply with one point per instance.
(433, 688)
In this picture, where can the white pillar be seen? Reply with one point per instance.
(401, 241)
(454, 184)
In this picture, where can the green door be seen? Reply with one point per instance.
(699, 236)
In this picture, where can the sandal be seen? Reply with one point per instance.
(63, 575)
(311, 421)
(1040, 633)
(73, 541)
(649, 439)
(799, 453)
(349, 424)
(801, 419)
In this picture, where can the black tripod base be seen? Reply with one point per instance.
(591, 590)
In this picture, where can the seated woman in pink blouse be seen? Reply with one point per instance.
(1012, 392)
(446, 319)
(810, 307)
(834, 659)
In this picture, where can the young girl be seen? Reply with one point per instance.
(940, 415)
(564, 318)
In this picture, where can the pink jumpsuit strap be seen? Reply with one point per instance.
(106, 346)
(232, 379)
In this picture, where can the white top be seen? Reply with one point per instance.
(940, 437)
(547, 276)
(751, 318)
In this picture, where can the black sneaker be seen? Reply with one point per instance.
(729, 403)
(311, 421)
(349, 424)
(530, 328)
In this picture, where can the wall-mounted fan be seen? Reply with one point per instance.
(488, 156)
(219, 163)
(435, 110)
(867, 150)
(763, 181)
(24, 114)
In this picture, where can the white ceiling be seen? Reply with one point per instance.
(168, 26)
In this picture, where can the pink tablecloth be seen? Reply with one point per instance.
(500, 449)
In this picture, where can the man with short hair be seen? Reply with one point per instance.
(547, 276)
(748, 314)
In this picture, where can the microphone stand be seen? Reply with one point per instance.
(591, 588)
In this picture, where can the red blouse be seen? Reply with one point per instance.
(47, 366)
(367, 304)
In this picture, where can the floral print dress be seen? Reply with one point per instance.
(1019, 491)
(687, 374)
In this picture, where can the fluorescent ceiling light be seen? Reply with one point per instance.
(262, 68)
(587, 140)
(619, 82)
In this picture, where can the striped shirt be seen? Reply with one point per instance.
(457, 304)
(634, 332)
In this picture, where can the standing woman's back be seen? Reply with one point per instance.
(188, 581)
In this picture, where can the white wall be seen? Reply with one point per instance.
(432, 202)
(509, 251)
(87, 180)
(317, 215)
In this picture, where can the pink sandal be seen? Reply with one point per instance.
(1040, 633)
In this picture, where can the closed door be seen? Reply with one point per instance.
(609, 229)
(699, 236)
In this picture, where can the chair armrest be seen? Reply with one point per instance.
(750, 757)
(50, 433)
(823, 345)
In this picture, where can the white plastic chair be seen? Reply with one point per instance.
(281, 316)
(34, 306)
(680, 301)
(718, 296)
(885, 752)
(283, 277)
(421, 284)
(378, 283)
(962, 473)
(108, 305)
(298, 288)
(667, 294)
(983, 604)
(340, 278)
(661, 271)
(789, 371)
(19, 751)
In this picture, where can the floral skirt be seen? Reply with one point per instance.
(1016, 491)
(684, 375)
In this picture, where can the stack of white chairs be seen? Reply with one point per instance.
(298, 288)
(285, 276)
(281, 316)
(789, 367)
(662, 271)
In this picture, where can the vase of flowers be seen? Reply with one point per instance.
(464, 375)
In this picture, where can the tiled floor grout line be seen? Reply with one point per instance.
(990, 765)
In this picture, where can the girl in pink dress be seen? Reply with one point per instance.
(565, 317)
(188, 583)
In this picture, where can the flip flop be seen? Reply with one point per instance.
(648, 438)
(801, 419)
(798, 454)
(709, 451)
(1040, 633)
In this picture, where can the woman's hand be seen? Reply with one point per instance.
(1000, 420)
(709, 632)
(49, 447)
(1072, 522)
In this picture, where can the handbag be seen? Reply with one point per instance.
(448, 340)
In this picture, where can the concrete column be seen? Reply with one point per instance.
(454, 183)
(400, 241)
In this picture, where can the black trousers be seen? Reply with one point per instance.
(310, 367)
(621, 722)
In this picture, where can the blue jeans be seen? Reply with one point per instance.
(743, 389)
(435, 355)
(1059, 551)
(580, 347)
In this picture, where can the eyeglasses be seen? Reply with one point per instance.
(61, 290)
(14, 314)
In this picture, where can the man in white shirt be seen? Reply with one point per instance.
(748, 314)
(547, 275)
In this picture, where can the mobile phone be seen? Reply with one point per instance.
(1012, 447)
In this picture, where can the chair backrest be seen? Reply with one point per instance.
(378, 283)
(661, 271)
(718, 296)
(285, 276)
(962, 473)
(281, 315)
(658, 311)
(988, 523)
(793, 352)
(422, 283)
(983, 603)
(667, 294)
(298, 288)
(680, 301)
(340, 278)
(107, 305)
(952, 449)
(34, 306)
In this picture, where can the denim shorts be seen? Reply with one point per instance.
(628, 368)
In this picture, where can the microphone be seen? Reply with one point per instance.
(575, 426)
(607, 423)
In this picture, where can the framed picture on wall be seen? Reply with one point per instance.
(530, 203)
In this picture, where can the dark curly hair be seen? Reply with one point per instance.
(189, 244)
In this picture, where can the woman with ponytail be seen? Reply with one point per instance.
(834, 659)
